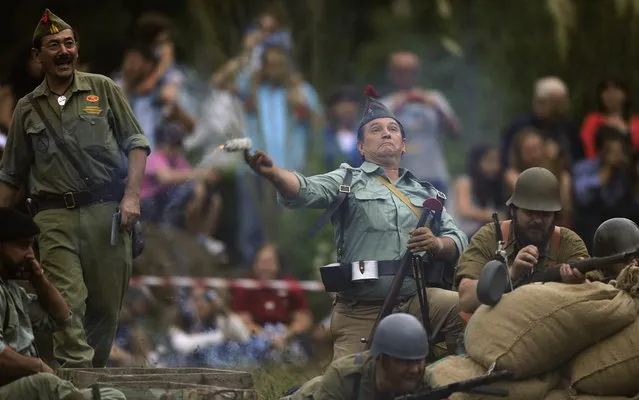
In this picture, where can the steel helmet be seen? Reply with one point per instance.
(614, 236)
(536, 189)
(401, 336)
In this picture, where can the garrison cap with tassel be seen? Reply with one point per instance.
(49, 24)
(375, 109)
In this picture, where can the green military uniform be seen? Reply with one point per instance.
(19, 313)
(484, 244)
(350, 378)
(377, 228)
(97, 125)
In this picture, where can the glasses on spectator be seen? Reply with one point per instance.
(55, 45)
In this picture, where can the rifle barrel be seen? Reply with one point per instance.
(391, 297)
(443, 392)
(591, 264)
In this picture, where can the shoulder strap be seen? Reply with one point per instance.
(505, 231)
(399, 194)
(339, 203)
(59, 141)
(555, 238)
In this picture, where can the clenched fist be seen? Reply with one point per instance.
(260, 162)
(422, 239)
(525, 261)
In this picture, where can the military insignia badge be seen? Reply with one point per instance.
(94, 110)
(92, 98)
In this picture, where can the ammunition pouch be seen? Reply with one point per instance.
(338, 277)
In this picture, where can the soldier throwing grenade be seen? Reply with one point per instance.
(382, 202)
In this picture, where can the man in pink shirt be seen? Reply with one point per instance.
(169, 177)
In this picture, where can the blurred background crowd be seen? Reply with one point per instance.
(484, 89)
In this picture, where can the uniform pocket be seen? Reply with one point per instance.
(373, 211)
(43, 145)
(93, 132)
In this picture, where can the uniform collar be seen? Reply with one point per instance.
(371, 168)
(79, 84)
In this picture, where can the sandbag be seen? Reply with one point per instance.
(458, 368)
(536, 328)
(610, 367)
(558, 394)
(563, 394)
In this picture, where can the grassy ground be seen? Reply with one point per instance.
(271, 382)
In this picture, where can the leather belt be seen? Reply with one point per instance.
(74, 200)
(366, 302)
(390, 268)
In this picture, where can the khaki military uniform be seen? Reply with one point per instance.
(19, 313)
(97, 125)
(377, 228)
(349, 378)
(482, 247)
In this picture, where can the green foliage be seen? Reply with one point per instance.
(271, 382)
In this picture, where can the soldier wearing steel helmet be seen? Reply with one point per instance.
(532, 240)
(394, 365)
(614, 236)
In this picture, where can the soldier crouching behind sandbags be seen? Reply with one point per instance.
(615, 236)
(394, 366)
(23, 375)
(532, 241)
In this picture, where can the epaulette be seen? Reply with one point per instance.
(351, 364)
(440, 195)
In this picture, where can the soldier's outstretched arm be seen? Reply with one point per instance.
(295, 190)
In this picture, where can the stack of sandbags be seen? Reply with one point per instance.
(537, 328)
(563, 394)
(611, 367)
(459, 368)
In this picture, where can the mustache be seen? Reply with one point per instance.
(63, 59)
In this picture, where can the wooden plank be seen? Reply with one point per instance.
(86, 377)
(165, 390)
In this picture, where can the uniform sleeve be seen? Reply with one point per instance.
(17, 157)
(40, 319)
(571, 247)
(450, 230)
(334, 386)
(317, 191)
(479, 252)
(128, 131)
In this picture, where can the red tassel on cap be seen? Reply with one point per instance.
(370, 91)
(45, 18)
